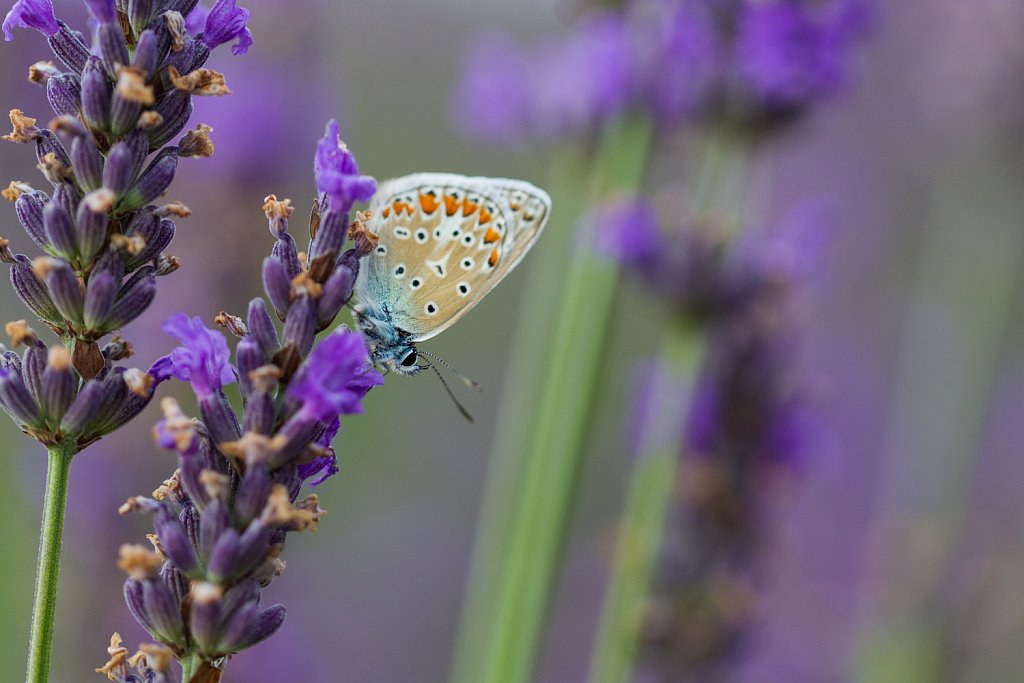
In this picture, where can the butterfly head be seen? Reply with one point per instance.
(390, 347)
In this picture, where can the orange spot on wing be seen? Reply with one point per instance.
(451, 204)
(402, 207)
(485, 216)
(491, 236)
(469, 208)
(386, 212)
(429, 203)
(492, 260)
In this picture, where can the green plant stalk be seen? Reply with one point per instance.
(647, 500)
(48, 568)
(522, 379)
(555, 434)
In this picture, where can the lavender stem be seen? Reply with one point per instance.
(50, 539)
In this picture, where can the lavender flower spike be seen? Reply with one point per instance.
(337, 174)
(37, 14)
(226, 22)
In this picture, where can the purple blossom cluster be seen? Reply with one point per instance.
(221, 520)
(745, 428)
(119, 101)
(750, 65)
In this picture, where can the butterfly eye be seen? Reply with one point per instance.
(410, 359)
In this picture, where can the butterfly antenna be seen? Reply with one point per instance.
(462, 409)
(476, 386)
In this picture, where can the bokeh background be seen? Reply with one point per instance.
(901, 546)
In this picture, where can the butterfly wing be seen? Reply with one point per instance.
(445, 241)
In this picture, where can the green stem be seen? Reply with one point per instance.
(189, 667)
(525, 570)
(647, 500)
(524, 374)
(48, 568)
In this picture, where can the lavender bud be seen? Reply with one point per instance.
(202, 53)
(117, 173)
(238, 626)
(92, 221)
(138, 143)
(64, 93)
(68, 197)
(56, 168)
(133, 597)
(215, 521)
(252, 494)
(219, 418)
(175, 541)
(95, 95)
(205, 620)
(249, 357)
(99, 300)
(330, 236)
(158, 236)
(132, 301)
(57, 389)
(115, 391)
(175, 110)
(163, 610)
(36, 357)
(285, 251)
(277, 284)
(29, 208)
(262, 329)
(300, 325)
(154, 181)
(336, 292)
(140, 13)
(70, 47)
(32, 290)
(223, 557)
(124, 113)
(16, 399)
(147, 57)
(64, 288)
(110, 261)
(260, 413)
(253, 545)
(84, 408)
(88, 163)
(60, 231)
(266, 624)
(113, 47)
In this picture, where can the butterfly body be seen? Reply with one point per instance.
(445, 241)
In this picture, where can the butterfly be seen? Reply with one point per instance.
(445, 241)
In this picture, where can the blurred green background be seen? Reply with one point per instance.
(902, 546)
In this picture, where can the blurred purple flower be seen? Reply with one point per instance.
(203, 359)
(37, 14)
(492, 98)
(337, 174)
(336, 377)
(628, 230)
(226, 22)
(790, 53)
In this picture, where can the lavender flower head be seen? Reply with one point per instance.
(222, 519)
(101, 226)
(746, 424)
(748, 65)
